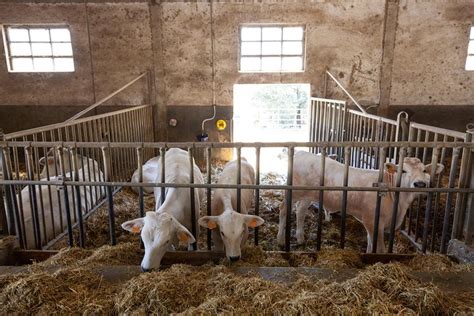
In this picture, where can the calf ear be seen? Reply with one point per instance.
(253, 220)
(208, 221)
(390, 167)
(439, 168)
(134, 226)
(184, 235)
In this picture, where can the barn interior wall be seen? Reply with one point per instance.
(192, 47)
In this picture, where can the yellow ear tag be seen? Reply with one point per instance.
(253, 223)
(211, 225)
(136, 229)
(182, 237)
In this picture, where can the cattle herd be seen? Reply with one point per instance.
(172, 221)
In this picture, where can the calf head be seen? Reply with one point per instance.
(159, 231)
(232, 227)
(415, 173)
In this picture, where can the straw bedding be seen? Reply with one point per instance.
(208, 289)
(215, 289)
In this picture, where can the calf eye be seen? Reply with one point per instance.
(222, 234)
(403, 171)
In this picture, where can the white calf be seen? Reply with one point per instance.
(360, 204)
(231, 225)
(171, 223)
(53, 207)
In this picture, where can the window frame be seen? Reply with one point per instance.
(281, 55)
(9, 57)
(470, 41)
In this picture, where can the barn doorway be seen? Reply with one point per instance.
(271, 113)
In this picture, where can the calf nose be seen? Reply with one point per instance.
(145, 269)
(234, 258)
(420, 184)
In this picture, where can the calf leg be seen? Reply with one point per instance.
(380, 239)
(282, 224)
(301, 208)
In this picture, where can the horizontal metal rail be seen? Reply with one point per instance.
(157, 145)
(234, 186)
(438, 130)
(47, 128)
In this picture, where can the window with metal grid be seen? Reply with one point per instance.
(38, 48)
(272, 48)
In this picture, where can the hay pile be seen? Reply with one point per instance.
(122, 254)
(215, 290)
(78, 287)
(437, 263)
(66, 291)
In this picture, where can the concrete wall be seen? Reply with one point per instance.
(422, 45)
(111, 45)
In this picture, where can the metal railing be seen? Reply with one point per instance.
(331, 120)
(43, 163)
(76, 183)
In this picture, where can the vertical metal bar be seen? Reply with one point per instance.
(34, 204)
(437, 197)
(458, 221)
(257, 190)
(429, 200)
(420, 199)
(208, 192)
(321, 199)
(140, 179)
(378, 203)
(110, 197)
(289, 197)
(60, 151)
(239, 178)
(12, 205)
(163, 169)
(447, 210)
(19, 201)
(396, 199)
(192, 191)
(78, 196)
(469, 233)
(35, 154)
(345, 183)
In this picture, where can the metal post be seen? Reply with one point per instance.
(447, 210)
(208, 193)
(459, 211)
(469, 237)
(163, 169)
(191, 191)
(140, 179)
(429, 200)
(34, 204)
(78, 197)
(321, 199)
(396, 199)
(347, 152)
(380, 194)
(257, 191)
(110, 197)
(239, 178)
(67, 207)
(289, 202)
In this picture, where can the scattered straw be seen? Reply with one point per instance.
(437, 263)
